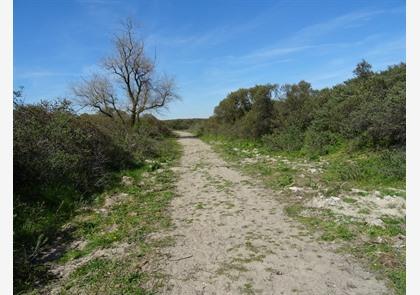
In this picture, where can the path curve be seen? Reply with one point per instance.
(232, 237)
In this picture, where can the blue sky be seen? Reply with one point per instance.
(210, 47)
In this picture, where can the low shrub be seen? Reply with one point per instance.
(150, 126)
(318, 143)
(385, 167)
(288, 140)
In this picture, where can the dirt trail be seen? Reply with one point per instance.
(232, 237)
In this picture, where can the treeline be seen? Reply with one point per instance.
(365, 112)
(183, 124)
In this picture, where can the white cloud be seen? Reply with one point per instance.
(338, 23)
(41, 74)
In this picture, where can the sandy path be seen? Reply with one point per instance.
(232, 237)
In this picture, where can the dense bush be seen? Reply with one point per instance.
(289, 140)
(142, 142)
(320, 142)
(245, 112)
(150, 126)
(54, 149)
(58, 158)
(61, 159)
(257, 122)
(367, 111)
(295, 108)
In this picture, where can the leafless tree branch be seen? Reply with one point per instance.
(136, 74)
(97, 92)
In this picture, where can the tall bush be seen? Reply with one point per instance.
(53, 147)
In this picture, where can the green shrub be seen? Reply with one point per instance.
(61, 160)
(141, 142)
(183, 124)
(245, 113)
(368, 111)
(320, 143)
(371, 169)
(54, 149)
(150, 126)
(257, 122)
(288, 140)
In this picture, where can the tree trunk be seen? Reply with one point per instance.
(133, 117)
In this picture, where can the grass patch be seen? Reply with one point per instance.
(229, 267)
(324, 220)
(106, 276)
(349, 200)
(247, 289)
(364, 211)
(368, 169)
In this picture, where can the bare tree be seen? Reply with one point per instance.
(98, 93)
(135, 73)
